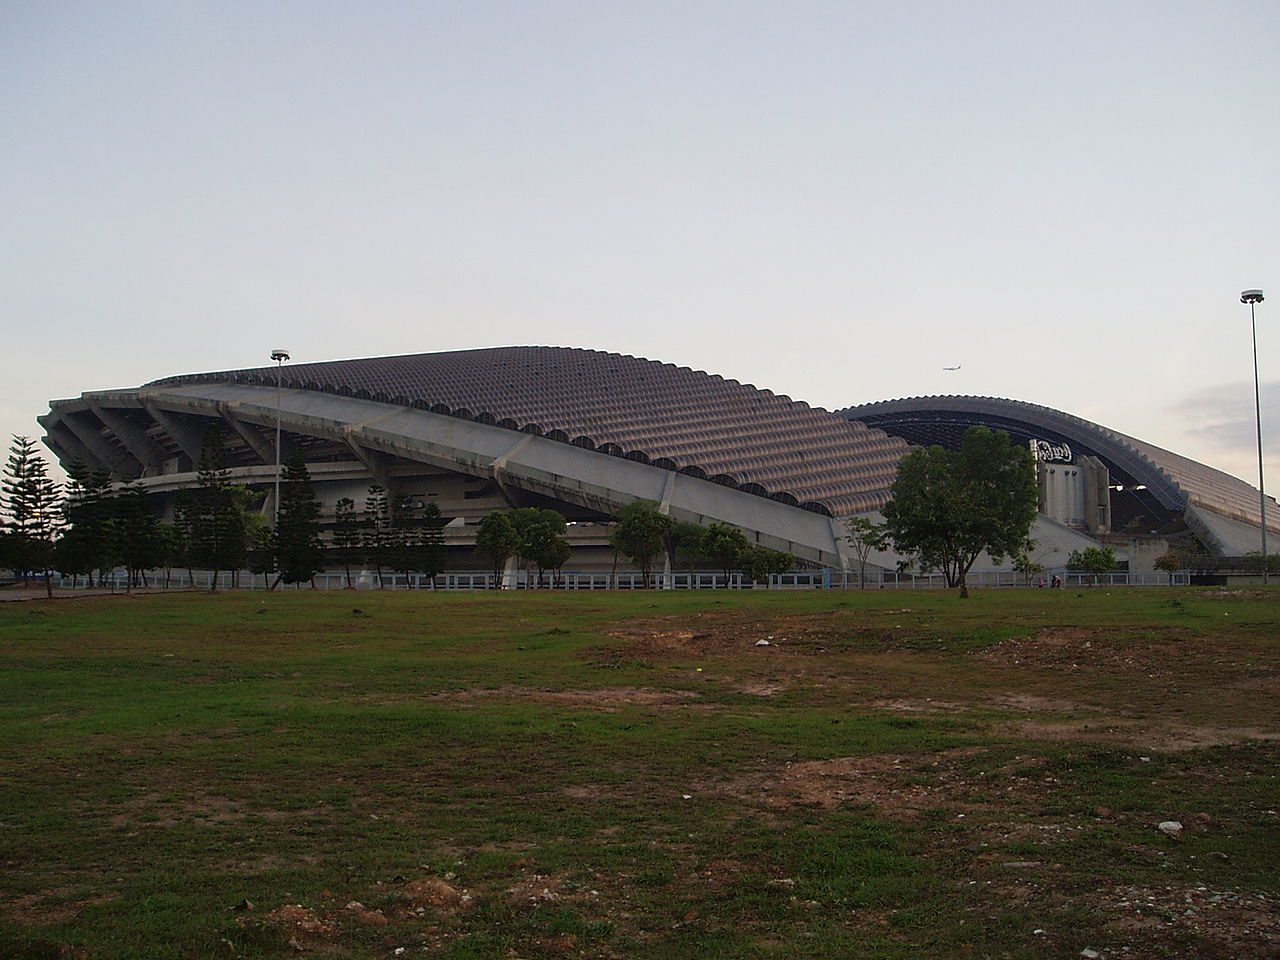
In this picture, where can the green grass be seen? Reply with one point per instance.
(630, 776)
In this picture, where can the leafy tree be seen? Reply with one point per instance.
(1254, 562)
(540, 539)
(1191, 555)
(759, 563)
(684, 545)
(641, 535)
(496, 540)
(724, 546)
(948, 506)
(864, 536)
(552, 556)
(1094, 560)
(1171, 562)
(346, 535)
(1025, 565)
(33, 509)
(299, 554)
(243, 500)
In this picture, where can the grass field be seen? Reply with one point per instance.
(895, 775)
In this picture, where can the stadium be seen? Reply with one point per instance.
(586, 432)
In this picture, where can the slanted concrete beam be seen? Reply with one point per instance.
(512, 495)
(188, 439)
(66, 445)
(118, 461)
(265, 448)
(374, 462)
(132, 436)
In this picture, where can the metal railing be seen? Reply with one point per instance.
(697, 580)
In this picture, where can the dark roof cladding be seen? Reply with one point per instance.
(1174, 480)
(672, 417)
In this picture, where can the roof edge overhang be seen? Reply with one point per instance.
(560, 470)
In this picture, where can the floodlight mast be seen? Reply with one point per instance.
(1252, 298)
(279, 356)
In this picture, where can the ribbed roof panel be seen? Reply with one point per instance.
(690, 420)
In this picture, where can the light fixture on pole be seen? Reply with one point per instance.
(279, 356)
(1252, 297)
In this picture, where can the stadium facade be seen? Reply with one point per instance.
(586, 432)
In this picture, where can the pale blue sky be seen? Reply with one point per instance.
(832, 200)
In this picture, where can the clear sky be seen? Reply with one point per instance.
(834, 200)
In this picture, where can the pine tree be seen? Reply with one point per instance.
(93, 540)
(431, 549)
(405, 538)
(218, 534)
(376, 535)
(185, 509)
(137, 536)
(33, 507)
(299, 554)
(346, 535)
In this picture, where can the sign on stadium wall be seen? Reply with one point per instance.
(1049, 452)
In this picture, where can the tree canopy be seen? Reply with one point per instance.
(496, 540)
(298, 551)
(540, 538)
(641, 535)
(31, 509)
(864, 536)
(948, 506)
(1094, 560)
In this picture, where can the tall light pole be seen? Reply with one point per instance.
(1252, 297)
(279, 356)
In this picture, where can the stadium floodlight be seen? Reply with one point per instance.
(1252, 298)
(279, 356)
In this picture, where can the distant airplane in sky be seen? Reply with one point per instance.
(956, 367)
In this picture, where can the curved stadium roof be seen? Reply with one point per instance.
(655, 413)
(1176, 482)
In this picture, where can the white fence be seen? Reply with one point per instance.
(701, 580)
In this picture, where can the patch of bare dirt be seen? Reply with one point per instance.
(708, 634)
(925, 706)
(50, 906)
(1246, 924)
(155, 810)
(435, 895)
(1151, 737)
(609, 699)
(1239, 595)
(896, 786)
(1172, 656)
(761, 689)
(300, 926)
